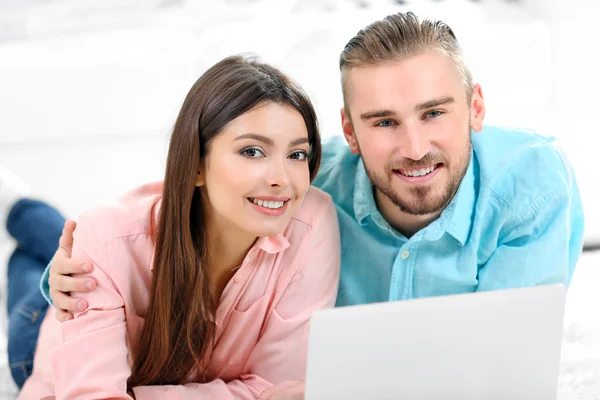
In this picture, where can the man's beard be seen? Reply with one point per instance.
(420, 201)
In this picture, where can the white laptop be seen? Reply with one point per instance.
(501, 345)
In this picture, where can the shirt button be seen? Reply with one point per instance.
(405, 254)
(237, 279)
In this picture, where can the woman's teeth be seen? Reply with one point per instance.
(267, 204)
(418, 172)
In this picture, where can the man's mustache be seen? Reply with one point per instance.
(426, 161)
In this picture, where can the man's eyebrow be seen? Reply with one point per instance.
(434, 103)
(419, 107)
(377, 114)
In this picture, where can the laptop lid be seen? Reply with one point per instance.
(501, 345)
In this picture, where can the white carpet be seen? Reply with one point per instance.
(580, 365)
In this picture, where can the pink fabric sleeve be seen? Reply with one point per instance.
(91, 362)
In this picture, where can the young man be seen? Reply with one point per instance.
(430, 202)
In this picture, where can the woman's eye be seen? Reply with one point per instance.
(299, 155)
(386, 123)
(252, 153)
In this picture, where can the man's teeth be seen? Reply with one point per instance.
(268, 204)
(418, 172)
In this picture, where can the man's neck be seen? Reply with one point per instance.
(406, 224)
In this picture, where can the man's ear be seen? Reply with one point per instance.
(477, 109)
(348, 130)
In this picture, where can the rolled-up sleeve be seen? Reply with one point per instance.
(92, 361)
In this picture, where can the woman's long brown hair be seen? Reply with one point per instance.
(180, 323)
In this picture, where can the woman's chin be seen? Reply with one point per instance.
(269, 232)
(270, 229)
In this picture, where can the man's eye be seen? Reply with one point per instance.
(433, 114)
(386, 123)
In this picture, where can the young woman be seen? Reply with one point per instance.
(206, 281)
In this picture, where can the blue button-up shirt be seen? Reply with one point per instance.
(516, 220)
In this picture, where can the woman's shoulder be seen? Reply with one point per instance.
(135, 212)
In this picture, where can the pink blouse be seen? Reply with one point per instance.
(262, 317)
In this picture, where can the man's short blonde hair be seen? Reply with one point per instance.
(397, 37)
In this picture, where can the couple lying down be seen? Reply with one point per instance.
(203, 285)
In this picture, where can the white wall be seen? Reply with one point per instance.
(90, 91)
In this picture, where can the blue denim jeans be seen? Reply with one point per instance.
(37, 227)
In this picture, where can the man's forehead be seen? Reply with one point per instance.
(426, 65)
(396, 81)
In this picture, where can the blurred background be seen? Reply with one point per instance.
(90, 89)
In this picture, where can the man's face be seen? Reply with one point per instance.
(411, 122)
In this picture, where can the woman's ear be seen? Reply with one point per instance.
(200, 178)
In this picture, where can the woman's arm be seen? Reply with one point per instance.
(92, 361)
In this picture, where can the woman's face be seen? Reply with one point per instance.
(256, 172)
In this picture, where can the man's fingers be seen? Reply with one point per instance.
(66, 239)
(68, 303)
(63, 266)
(63, 283)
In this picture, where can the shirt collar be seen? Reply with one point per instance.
(364, 203)
(273, 244)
